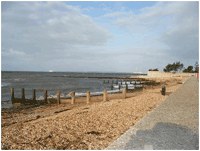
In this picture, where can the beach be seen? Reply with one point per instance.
(81, 126)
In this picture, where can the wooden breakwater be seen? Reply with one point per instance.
(59, 100)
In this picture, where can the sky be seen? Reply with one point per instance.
(98, 36)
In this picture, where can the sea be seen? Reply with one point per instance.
(80, 82)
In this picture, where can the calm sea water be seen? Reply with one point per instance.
(67, 81)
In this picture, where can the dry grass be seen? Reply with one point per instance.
(80, 126)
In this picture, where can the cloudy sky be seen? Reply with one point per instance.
(98, 36)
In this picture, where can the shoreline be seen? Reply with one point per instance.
(40, 98)
(87, 126)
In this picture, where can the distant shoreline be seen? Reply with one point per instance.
(76, 72)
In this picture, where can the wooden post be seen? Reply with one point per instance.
(34, 98)
(135, 82)
(12, 95)
(104, 95)
(45, 96)
(23, 94)
(124, 94)
(142, 88)
(88, 96)
(121, 82)
(111, 86)
(119, 86)
(58, 97)
(108, 81)
(73, 97)
(126, 86)
(163, 90)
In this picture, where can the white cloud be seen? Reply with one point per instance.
(47, 31)
(62, 37)
(51, 24)
(115, 14)
(15, 52)
(176, 25)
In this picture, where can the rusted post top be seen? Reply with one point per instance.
(73, 93)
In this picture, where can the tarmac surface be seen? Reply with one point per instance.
(174, 125)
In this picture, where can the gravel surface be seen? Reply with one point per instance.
(173, 125)
(93, 126)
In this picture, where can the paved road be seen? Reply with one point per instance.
(173, 125)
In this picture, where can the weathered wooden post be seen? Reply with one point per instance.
(12, 95)
(73, 97)
(58, 97)
(123, 93)
(117, 81)
(104, 95)
(126, 86)
(23, 94)
(34, 96)
(88, 96)
(119, 86)
(45, 95)
(121, 82)
(111, 86)
(135, 82)
(163, 90)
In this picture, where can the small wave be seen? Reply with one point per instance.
(78, 94)
(3, 84)
(123, 86)
(19, 79)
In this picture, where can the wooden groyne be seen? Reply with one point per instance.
(59, 100)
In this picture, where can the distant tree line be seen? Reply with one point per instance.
(154, 69)
(177, 66)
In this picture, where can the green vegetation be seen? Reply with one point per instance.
(173, 67)
(179, 66)
(154, 69)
